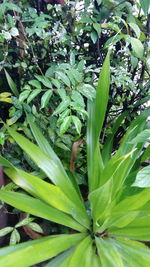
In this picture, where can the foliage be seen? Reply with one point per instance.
(116, 212)
(53, 54)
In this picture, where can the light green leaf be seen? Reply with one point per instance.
(108, 145)
(45, 98)
(102, 95)
(94, 36)
(62, 106)
(6, 231)
(57, 261)
(137, 47)
(99, 2)
(96, 111)
(12, 85)
(108, 253)
(82, 256)
(134, 202)
(97, 27)
(62, 93)
(141, 137)
(36, 227)
(38, 208)
(146, 154)
(72, 58)
(44, 80)
(33, 94)
(65, 125)
(47, 192)
(134, 253)
(56, 83)
(24, 95)
(23, 222)
(145, 4)
(63, 115)
(53, 171)
(35, 83)
(143, 178)
(12, 6)
(100, 199)
(77, 124)
(32, 252)
(76, 75)
(136, 29)
(14, 32)
(78, 98)
(87, 90)
(62, 76)
(138, 229)
(14, 238)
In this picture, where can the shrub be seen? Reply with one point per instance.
(105, 230)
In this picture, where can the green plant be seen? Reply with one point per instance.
(117, 211)
(14, 233)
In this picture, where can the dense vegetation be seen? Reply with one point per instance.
(51, 55)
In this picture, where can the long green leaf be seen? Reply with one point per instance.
(32, 252)
(108, 253)
(46, 147)
(96, 111)
(51, 194)
(57, 175)
(107, 149)
(102, 95)
(100, 199)
(138, 229)
(38, 208)
(82, 256)
(58, 261)
(134, 253)
(12, 85)
(134, 202)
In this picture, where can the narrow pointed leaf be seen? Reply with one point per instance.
(58, 261)
(133, 202)
(12, 85)
(49, 193)
(107, 149)
(82, 255)
(32, 252)
(97, 111)
(38, 208)
(138, 229)
(53, 171)
(100, 199)
(135, 253)
(108, 253)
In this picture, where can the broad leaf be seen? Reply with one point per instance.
(137, 47)
(45, 98)
(143, 178)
